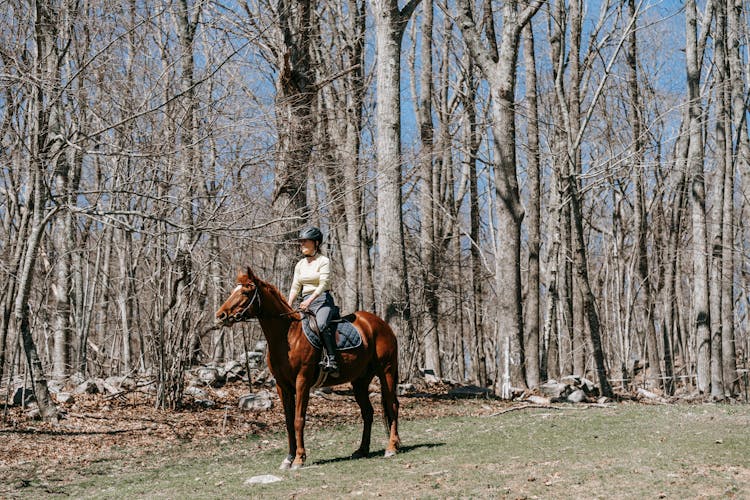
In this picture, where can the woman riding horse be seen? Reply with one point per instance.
(312, 276)
(293, 361)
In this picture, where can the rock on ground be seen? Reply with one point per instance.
(577, 396)
(553, 389)
(64, 398)
(256, 402)
(538, 400)
(264, 479)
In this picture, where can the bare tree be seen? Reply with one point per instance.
(390, 22)
(342, 67)
(738, 156)
(640, 221)
(295, 98)
(499, 70)
(46, 148)
(531, 348)
(721, 197)
(429, 196)
(694, 56)
(471, 140)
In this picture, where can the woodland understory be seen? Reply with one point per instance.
(524, 190)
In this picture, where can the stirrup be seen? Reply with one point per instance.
(328, 365)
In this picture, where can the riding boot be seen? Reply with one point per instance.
(329, 361)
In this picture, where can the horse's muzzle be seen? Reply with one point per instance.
(223, 318)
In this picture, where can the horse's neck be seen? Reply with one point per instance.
(275, 322)
(276, 330)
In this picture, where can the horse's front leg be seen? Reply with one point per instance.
(287, 399)
(300, 411)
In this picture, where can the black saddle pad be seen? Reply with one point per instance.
(347, 336)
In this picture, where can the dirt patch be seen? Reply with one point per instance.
(95, 426)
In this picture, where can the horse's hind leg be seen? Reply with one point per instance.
(362, 395)
(388, 381)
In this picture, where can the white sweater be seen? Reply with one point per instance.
(311, 277)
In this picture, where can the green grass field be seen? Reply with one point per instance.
(624, 451)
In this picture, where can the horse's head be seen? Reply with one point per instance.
(244, 301)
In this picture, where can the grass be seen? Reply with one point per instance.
(627, 451)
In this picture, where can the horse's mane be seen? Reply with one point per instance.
(274, 292)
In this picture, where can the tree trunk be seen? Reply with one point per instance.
(501, 75)
(390, 21)
(571, 193)
(62, 289)
(189, 172)
(531, 348)
(46, 150)
(353, 193)
(643, 285)
(10, 291)
(125, 250)
(47, 408)
(102, 313)
(341, 111)
(563, 285)
(737, 157)
(575, 296)
(295, 98)
(551, 351)
(679, 207)
(428, 233)
(479, 362)
(589, 301)
(724, 163)
(698, 201)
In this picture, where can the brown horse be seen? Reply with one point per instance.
(293, 361)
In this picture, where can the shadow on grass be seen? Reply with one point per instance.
(378, 453)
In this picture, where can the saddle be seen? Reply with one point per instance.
(347, 336)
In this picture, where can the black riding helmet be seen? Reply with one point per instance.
(311, 233)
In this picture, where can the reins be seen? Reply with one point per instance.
(296, 311)
(313, 324)
(256, 296)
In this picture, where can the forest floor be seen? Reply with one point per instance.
(451, 448)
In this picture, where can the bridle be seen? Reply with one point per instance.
(241, 315)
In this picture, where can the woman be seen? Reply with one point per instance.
(312, 278)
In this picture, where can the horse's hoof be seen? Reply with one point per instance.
(286, 464)
(390, 453)
(359, 454)
(299, 461)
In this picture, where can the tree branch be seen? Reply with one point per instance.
(470, 32)
(408, 10)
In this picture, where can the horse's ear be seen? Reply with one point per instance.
(251, 275)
